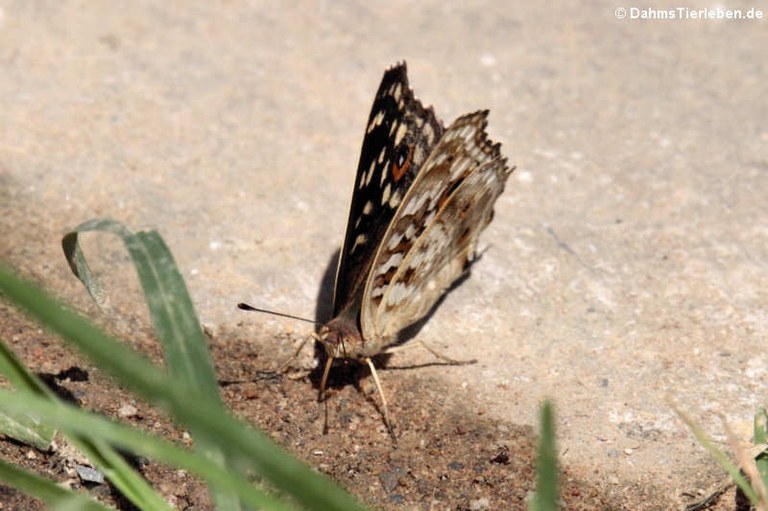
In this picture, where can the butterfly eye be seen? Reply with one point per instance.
(402, 162)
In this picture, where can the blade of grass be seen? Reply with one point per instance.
(27, 429)
(761, 439)
(746, 461)
(172, 312)
(101, 430)
(23, 427)
(45, 490)
(250, 448)
(170, 306)
(546, 496)
(761, 427)
(719, 456)
(119, 472)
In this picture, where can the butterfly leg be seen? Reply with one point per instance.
(321, 394)
(324, 380)
(384, 407)
(284, 366)
(415, 342)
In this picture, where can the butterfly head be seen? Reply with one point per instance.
(341, 338)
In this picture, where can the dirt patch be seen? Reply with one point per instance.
(447, 454)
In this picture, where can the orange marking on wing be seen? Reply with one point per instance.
(399, 171)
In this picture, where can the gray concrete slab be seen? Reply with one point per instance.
(627, 263)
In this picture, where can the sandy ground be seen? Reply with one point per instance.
(626, 265)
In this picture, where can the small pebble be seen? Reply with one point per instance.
(126, 411)
(391, 478)
(89, 475)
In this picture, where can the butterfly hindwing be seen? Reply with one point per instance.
(434, 233)
(399, 137)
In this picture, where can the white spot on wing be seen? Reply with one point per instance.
(396, 293)
(459, 168)
(385, 194)
(401, 130)
(394, 240)
(415, 204)
(361, 183)
(377, 119)
(428, 132)
(395, 200)
(360, 240)
(393, 262)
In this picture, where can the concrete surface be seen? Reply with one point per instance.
(627, 262)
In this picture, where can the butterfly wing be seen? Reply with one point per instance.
(434, 233)
(399, 137)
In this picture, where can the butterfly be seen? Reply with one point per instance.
(422, 195)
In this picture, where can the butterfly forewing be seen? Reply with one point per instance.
(399, 137)
(434, 233)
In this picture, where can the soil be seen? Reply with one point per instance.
(446, 455)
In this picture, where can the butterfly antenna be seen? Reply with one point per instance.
(286, 364)
(251, 308)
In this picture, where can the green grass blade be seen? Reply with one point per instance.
(761, 439)
(76, 260)
(251, 449)
(101, 430)
(172, 312)
(761, 427)
(546, 497)
(45, 490)
(720, 457)
(26, 429)
(170, 305)
(119, 472)
(23, 427)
